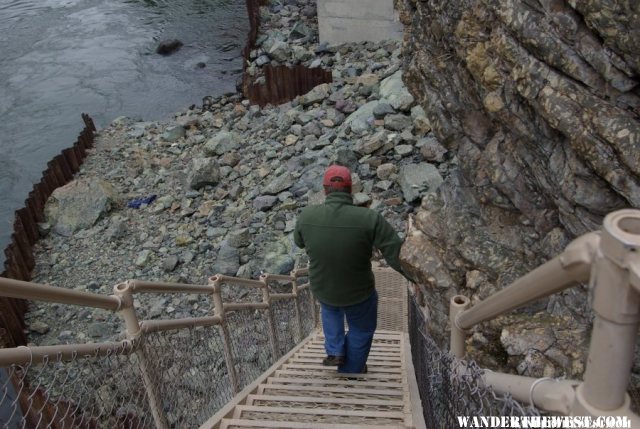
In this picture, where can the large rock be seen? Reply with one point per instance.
(280, 51)
(394, 91)
(203, 172)
(417, 179)
(301, 31)
(174, 133)
(222, 143)
(361, 119)
(227, 261)
(316, 95)
(78, 205)
(168, 47)
(264, 203)
(277, 257)
(279, 184)
(398, 122)
(370, 144)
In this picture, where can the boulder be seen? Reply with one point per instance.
(279, 184)
(239, 238)
(173, 133)
(301, 31)
(360, 119)
(386, 171)
(277, 258)
(264, 202)
(280, 51)
(316, 95)
(360, 198)
(227, 261)
(222, 143)
(371, 144)
(203, 172)
(382, 110)
(169, 46)
(417, 179)
(421, 123)
(398, 122)
(393, 90)
(79, 205)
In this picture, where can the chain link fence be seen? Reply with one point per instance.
(188, 372)
(92, 391)
(250, 345)
(162, 377)
(450, 387)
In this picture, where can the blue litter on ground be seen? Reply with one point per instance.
(135, 204)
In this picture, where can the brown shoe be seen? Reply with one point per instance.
(333, 360)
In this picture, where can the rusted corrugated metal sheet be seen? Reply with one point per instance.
(20, 261)
(282, 83)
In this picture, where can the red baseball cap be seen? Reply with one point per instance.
(337, 176)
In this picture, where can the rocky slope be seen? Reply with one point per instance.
(538, 101)
(217, 190)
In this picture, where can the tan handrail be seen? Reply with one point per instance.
(278, 277)
(300, 272)
(143, 286)
(235, 306)
(27, 290)
(149, 326)
(610, 260)
(556, 396)
(237, 281)
(573, 265)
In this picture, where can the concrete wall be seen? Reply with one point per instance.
(341, 21)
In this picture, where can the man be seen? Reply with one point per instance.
(339, 239)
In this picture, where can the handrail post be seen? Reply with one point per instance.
(218, 307)
(616, 303)
(296, 300)
(133, 331)
(273, 333)
(457, 305)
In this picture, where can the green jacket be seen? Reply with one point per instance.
(339, 239)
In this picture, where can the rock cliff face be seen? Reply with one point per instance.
(538, 102)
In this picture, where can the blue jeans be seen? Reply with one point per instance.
(362, 319)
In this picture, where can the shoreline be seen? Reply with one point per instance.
(229, 181)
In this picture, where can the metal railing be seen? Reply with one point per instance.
(610, 261)
(163, 373)
(451, 387)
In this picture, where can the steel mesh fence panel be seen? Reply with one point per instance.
(153, 306)
(92, 392)
(189, 373)
(250, 346)
(450, 387)
(287, 329)
(307, 309)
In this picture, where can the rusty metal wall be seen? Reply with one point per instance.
(282, 83)
(19, 254)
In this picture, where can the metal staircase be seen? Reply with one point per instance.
(298, 392)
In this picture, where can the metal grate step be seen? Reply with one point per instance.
(302, 393)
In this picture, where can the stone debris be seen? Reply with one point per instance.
(231, 178)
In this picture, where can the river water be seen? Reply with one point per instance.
(59, 58)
